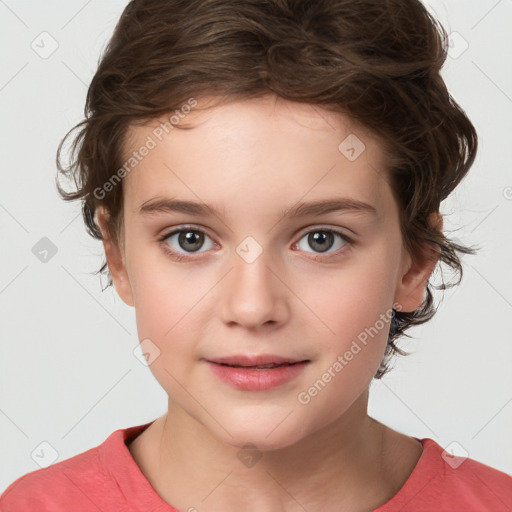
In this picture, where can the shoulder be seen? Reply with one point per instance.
(81, 483)
(474, 483)
(443, 482)
(61, 483)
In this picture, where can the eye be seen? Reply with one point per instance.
(323, 239)
(185, 240)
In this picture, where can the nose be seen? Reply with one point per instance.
(254, 295)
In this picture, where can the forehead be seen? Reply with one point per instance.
(262, 149)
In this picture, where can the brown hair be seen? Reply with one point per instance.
(378, 61)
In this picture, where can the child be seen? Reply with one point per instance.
(302, 150)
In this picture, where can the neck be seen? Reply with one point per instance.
(334, 467)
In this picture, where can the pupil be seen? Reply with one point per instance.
(191, 240)
(322, 238)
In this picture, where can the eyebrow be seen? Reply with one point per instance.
(303, 209)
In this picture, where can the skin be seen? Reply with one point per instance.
(253, 159)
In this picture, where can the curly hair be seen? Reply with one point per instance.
(377, 61)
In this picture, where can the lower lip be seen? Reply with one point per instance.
(257, 380)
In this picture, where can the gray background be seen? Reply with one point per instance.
(68, 373)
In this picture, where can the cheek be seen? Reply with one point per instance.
(164, 310)
(164, 307)
(162, 296)
(169, 302)
(357, 309)
(352, 298)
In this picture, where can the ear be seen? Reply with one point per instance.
(411, 288)
(115, 259)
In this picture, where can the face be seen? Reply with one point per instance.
(257, 270)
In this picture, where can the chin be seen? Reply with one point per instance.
(267, 432)
(259, 440)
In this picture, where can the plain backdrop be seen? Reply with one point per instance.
(68, 373)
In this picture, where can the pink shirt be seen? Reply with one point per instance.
(107, 478)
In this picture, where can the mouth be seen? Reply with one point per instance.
(259, 373)
(271, 366)
(259, 362)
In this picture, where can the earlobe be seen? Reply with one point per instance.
(115, 259)
(411, 289)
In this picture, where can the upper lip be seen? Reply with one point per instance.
(255, 360)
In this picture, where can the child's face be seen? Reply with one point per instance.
(252, 161)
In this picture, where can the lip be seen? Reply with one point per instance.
(256, 360)
(247, 378)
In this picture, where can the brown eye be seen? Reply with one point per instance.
(187, 240)
(190, 240)
(322, 240)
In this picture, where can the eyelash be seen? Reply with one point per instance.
(182, 257)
